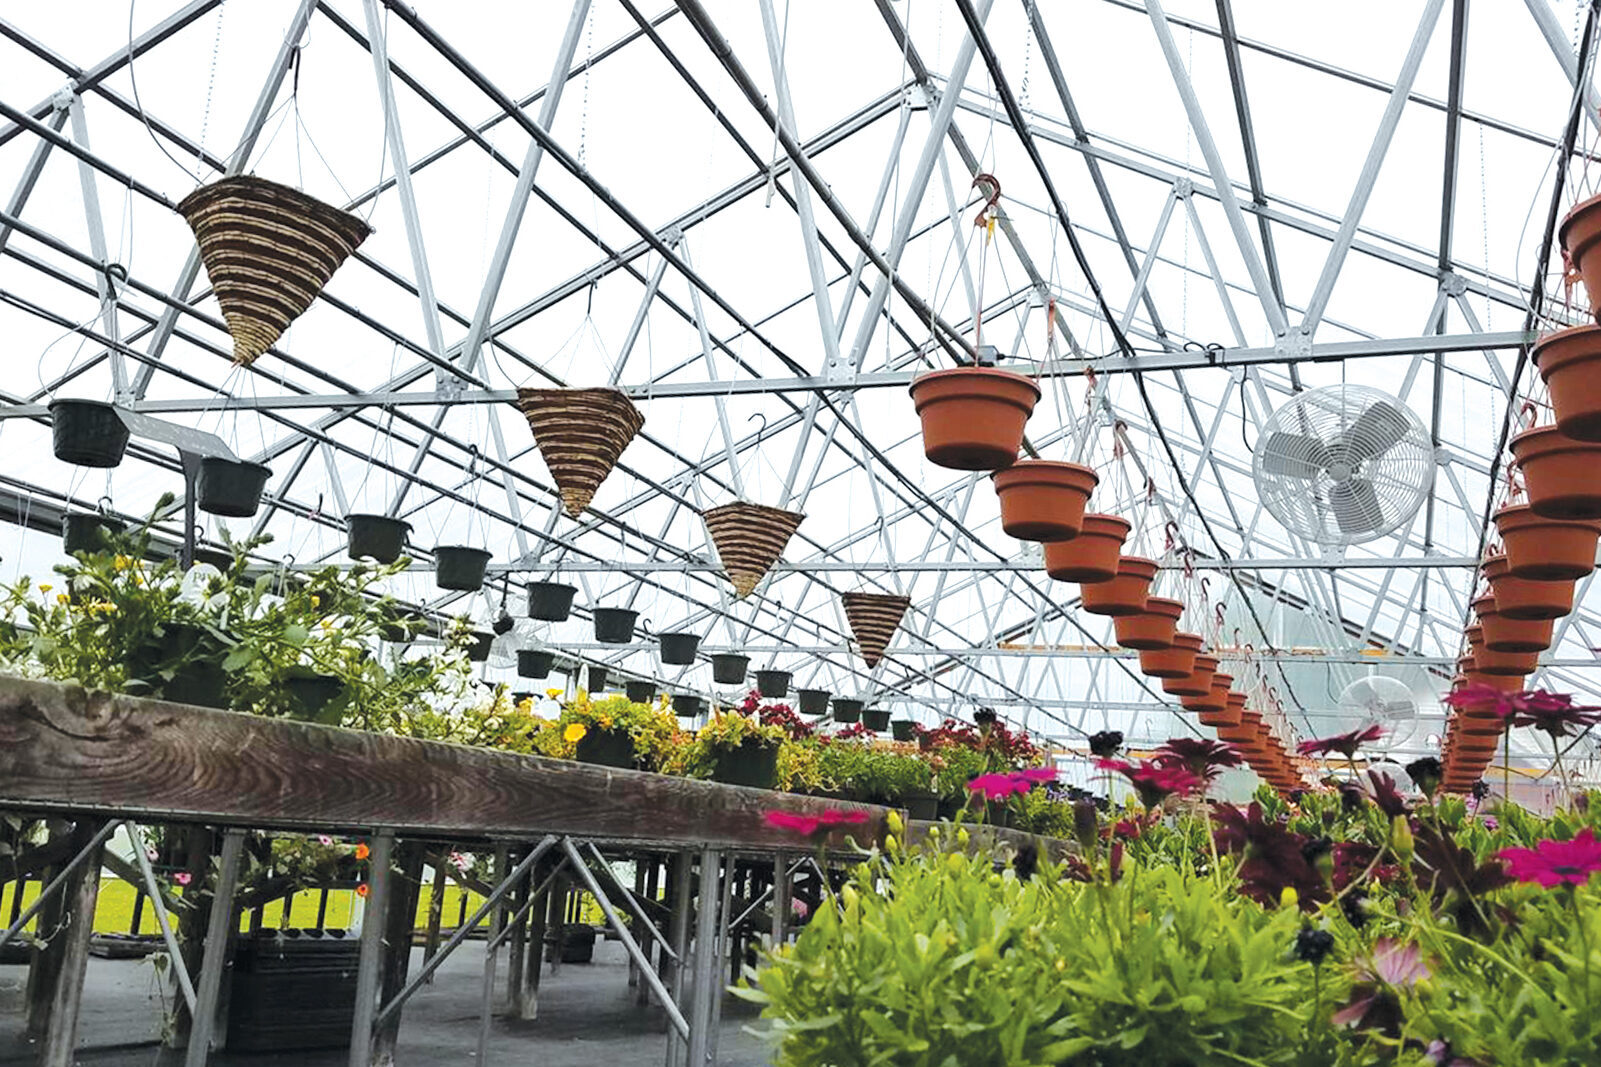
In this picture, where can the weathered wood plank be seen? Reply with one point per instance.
(64, 749)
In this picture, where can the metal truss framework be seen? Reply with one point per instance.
(985, 625)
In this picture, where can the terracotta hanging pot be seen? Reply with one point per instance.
(1153, 628)
(1092, 556)
(1176, 661)
(268, 251)
(581, 433)
(1562, 476)
(1580, 234)
(1126, 593)
(1516, 663)
(874, 618)
(1502, 634)
(1506, 683)
(1546, 550)
(1570, 362)
(1229, 716)
(1197, 683)
(1042, 499)
(973, 417)
(1524, 598)
(1216, 699)
(1478, 724)
(749, 538)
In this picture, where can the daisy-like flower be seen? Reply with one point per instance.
(999, 786)
(1345, 744)
(1037, 775)
(1275, 858)
(1552, 713)
(1477, 696)
(1375, 1004)
(814, 825)
(574, 733)
(1202, 757)
(362, 851)
(1153, 783)
(1554, 863)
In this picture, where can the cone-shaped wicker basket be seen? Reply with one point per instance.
(874, 617)
(580, 432)
(268, 250)
(749, 540)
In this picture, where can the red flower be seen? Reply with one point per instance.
(814, 825)
(1477, 696)
(1553, 863)
(1151, 782)
(1345, 744)
(1201, 756)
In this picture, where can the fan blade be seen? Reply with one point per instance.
(1356, 506)
(1375, 431)
(1293, 454)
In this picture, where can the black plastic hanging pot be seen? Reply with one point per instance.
(231, 487)
(772, 683)
(377, 537)
(679, 649)
(728, 668)
(924, 806)
(460, 567)
(550, 601)
(641, 692)
(534, 662)
(903, 729)
(811, 701)
(81, 531)
(311, 693)
(597, 679)
(87, 432)
(215, 557)
(875, 720)
(686, 705)
(478, 647)
(751, 763)
(847, 710)
(608, 748)
(615, 626)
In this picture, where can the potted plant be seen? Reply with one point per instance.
(973, 417)
(550, 601)
(771, 683)
(739, 750)
(1124, 594)
(614, 626)
(812, 701)
(85, 531)
(460, 567)
(230, 487)
(616, 731)
(376, 537)
(847, 710)
(87, 433)
(728, 668)
(903, 729)
(641, 691)
(687, 705)
(1546, 550)
(679, 649)
(1561, 476)
(875, 719)
(1568, 360)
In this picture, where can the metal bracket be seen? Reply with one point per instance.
(1453, 284)
(183, 438)
(1295, 344)
(1183, 188)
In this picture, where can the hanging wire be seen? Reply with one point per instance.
(139, 105)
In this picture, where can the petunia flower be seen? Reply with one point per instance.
(324, 839)
(362, 890)
(183, 878)
(1201, 756)
(814, 825)
(1553, 863)
(1345, 744)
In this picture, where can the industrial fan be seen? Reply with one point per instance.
(1379, 700)
(1343, 464)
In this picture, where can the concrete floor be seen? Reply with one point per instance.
(587, 1017)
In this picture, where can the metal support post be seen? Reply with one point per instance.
(104, 285)
(576, 861)
(219, 932)
(372, 951)
(714, 991)
(703, 962)
(153, 889)
(30, 174)
(683, 875)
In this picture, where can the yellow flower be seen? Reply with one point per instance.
(574, 733)
(121, 562)
(45, 587)
(1288, 897)
(554, 694)
(61, 598)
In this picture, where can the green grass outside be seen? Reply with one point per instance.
(114, 914)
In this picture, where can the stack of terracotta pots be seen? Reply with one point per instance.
(1471, 738)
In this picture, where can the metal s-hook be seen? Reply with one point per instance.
(763, 431)
(987, 212)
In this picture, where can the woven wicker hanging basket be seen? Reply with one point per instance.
(268, 250)
(874, 618)
(749, 540)
(580, 432)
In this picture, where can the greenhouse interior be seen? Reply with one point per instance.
(1061, 594)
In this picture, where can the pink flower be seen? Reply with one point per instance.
(1153, 783)
(1345, 744)
(458, 861)
(799, 908)
(152, 855)
(1037, 775)
(999, 786)
(1553, 863)
(814, 825)
(1393, 966)
(324, 839)
(182, 878)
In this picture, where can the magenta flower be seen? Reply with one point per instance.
(1553, 713)
(1345, 744)
(1038, 775)
(183, 878)
(999, 786)
(814, 825)
(1153, 783)
(1473, 697)
(1553, 863)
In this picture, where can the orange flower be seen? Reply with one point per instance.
(362, 852)
(362, 890)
